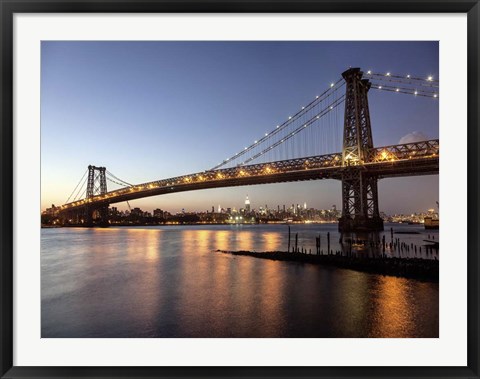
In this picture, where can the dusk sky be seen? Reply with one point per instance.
(154, 110)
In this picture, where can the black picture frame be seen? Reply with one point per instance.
(8, 8)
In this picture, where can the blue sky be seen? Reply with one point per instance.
(152, 110)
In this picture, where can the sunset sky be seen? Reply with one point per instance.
(154, 110)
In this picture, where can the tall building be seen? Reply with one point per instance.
(247, 205)
(158, 213)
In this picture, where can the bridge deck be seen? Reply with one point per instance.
(421, 158)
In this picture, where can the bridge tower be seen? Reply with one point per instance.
(97, 181)
(96, 185)
(359, 188)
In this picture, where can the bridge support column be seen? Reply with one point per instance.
(103, 216)
(360, 211)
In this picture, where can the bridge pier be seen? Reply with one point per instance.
(102, 216)
(360, 211)
(86, 216)
(359, 188)
(360, 224)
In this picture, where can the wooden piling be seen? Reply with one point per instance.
(288, 238)
(328, 242)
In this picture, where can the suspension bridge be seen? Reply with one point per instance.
(309, 145)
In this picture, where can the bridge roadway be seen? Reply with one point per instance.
(420, 158)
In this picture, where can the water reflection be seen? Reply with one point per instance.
(170, 282)
(393, 308)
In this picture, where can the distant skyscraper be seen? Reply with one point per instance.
(305, 205)
(247, 204)
(219, 209)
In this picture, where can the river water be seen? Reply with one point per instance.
(168, 281)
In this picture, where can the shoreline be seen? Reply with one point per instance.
(189, 224)
(47, 226)
(410, 268)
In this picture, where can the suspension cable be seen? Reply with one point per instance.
(80, 190)
(114, 181)
(76, 186)
(322, 113)
(332, 89)
(120, 180)
(408, 79)
(405, 90)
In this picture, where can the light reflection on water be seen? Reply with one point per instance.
(169, 282)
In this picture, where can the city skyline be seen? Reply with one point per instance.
(133, 106)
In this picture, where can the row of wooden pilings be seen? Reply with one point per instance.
(296, 249)
(395, 245)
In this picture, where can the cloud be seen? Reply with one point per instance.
(413, 137)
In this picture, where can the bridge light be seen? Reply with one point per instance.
(318, 116)
(266, 134)
(388, 74)
(245, 149)
(408, 76)
(289, 117)
(379, 87)
(434, 95)
(397, 90)
(415, 93)
(303, 108)
(278, 126)
(369, 72)
(430, 78)
(331, 85)
(255, 142)
(331, 107)
(317, 97)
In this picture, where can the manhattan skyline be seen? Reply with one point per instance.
(153, 110)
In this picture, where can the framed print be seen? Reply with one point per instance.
(239, 189)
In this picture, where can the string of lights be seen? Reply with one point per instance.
(405, 90)
(429, 80)
(325, 111)
(318, 99)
